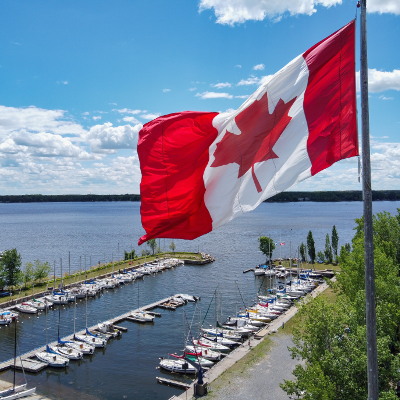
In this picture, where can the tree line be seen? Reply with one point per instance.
(284, 197)
(330, 339)
(12, 275)
(329, 255)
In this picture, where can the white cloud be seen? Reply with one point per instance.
(384, 6)
(36, 120)
(259, 67)
(252, 80)
(129, 111)
(44, 144)
(221, 85)
(385, 98)
(149, 116)
(96, 117)
(385, 164)
(44, 151)
(230, 12)
(379, 81)
(214, 95)
(166, 90)
(109, 137)
(131, 120)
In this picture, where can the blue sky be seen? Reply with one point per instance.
(79, 78)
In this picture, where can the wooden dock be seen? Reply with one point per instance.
(171, 382)
(28, 361)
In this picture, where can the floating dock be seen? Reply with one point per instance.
(29, 363)
(171, 382)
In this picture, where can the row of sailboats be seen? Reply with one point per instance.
(59, 354)
(215, 342)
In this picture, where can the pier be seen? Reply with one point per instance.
(29, 363)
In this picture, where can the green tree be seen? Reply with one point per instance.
(311, 247)
(130, 255)
(152, 243)
(41, 271)
(2, 281)
(346, 248)
(331, 338)
(172, 246)
(11, 267)
(321, 256)
(335, 243)
(27, 275)
(328, 250)
(303, 252)
(267, 246)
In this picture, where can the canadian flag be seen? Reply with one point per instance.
(202, 169)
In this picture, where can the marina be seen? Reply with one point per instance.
(28, 363)
(130, 361)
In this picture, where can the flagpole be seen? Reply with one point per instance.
(372, 359)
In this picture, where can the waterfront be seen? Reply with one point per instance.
(89, 231)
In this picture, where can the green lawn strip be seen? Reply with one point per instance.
(95, 272)
(240, 368)
(287, 329)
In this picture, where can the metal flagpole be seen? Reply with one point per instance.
(372, 359)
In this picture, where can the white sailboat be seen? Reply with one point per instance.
(88, 337)
(49, 356)
(65, 351)
(16, 391)
(52, 358)
(178, 366)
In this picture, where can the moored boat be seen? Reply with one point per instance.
(65, 351)
(52, 358)
(26, 308)
(178, 366)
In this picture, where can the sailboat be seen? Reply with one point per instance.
(16, 391)
(84, 348)
(61, 348)
(89, 337)
(51, 357)
(140, 315)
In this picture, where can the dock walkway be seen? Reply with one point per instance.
(28, 363)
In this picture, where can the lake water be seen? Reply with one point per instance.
(76, 235)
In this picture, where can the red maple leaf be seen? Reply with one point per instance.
(259, 132)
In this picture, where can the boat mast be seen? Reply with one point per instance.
(15, 351)
(372, 359)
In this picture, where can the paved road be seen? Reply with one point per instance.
(261, 381)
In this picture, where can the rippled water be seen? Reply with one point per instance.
(72, 233)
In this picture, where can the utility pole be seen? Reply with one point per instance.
(372, 358)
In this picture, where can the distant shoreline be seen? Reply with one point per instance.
(284, 197)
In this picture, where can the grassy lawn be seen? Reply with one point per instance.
(327, 294)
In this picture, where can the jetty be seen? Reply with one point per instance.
(28, 362)
(172, 382)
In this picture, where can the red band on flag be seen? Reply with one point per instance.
(173, 152)
(330, 99)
